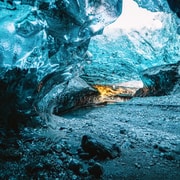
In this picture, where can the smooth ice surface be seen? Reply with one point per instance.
(51, 35)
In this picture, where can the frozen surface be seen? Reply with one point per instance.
(51, 35)
(47, 41)
(50, 44)
(139, 39)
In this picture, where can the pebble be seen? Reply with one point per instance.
(74, 177)
(137, 165)
(123, 163)
(169, 156)
(151, 163)
(75, 165)
(96, 170)
(63, 156)
(123, 131)
(161, 154)
(177, 149)
(150, 122)
(127, 145)
(163, 148)
(57, 148)
(62, 128)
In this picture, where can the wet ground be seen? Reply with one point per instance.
(146, 130)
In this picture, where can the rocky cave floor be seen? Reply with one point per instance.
(145, 132)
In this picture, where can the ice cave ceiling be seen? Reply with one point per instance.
(55, 54)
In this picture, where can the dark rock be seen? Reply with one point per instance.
(10, 154)
(178, 30)
(33, 168)
(16, 96)
(160, 80)
(169, 156)
(100, 150)
(75, 165)
(155, 146)
(96, 170)
(62, 128)
(175, 6)
(177, 149)
(116, 151)
(123, 130)
(84, 156)
(76, 94)
(163, 148)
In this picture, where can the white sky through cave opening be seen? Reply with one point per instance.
(134, 17)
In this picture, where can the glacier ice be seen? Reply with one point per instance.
(160, 5)
(51, 35)
(46, 41)
(49, 49)
(139, 39)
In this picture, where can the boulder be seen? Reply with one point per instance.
(96, 170)
(98, 149)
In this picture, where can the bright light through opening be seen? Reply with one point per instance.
(134, 17)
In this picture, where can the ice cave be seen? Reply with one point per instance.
(90, 89)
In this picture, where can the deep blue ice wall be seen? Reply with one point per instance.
(43, 44)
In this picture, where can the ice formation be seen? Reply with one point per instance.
(51, 35)
(43, 46)
(50, 50)
(139, 39)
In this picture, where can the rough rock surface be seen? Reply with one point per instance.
(161, 80)
(99, 150)
(145, 129)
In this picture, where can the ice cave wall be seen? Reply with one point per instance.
(50, 35)
(42, 49)
(123, 52)
(46, 45)
(160, 5)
